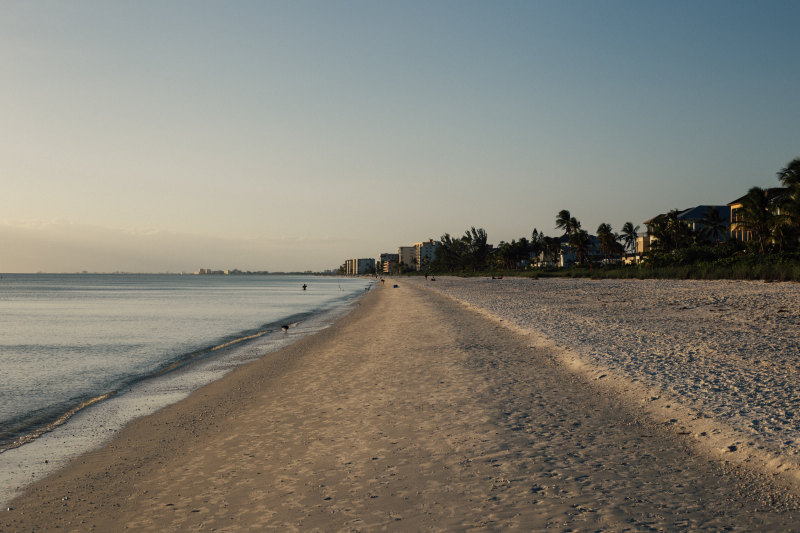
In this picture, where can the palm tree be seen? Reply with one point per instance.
(714, 227)
(790, 204)
(564, 221)
(790, 175)
(758, 217)
(580, 241)
(670, 232)
(629, 235)
(618, 248)
(607, 239)
(567, 222)
(551, 249)
(783, 233)
(570, 225)
(790, 219)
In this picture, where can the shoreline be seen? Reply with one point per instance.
(435, 418)
(71, 341)
(98, 420)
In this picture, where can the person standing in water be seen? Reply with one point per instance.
(304, 286)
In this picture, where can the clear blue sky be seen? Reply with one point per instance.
(169, 136)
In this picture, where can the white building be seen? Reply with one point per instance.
(424, 252)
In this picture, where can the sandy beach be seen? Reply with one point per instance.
(717, 360)
(431, 408)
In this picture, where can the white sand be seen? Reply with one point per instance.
(721, 359)
(413, 413)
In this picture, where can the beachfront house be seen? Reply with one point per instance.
(694, 219)
(642, 243)
(569, 257)
(559, 253)
(774, 195)
(546, 259)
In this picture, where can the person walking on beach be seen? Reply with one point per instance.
(304, 286)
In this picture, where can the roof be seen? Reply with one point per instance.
(697, 213)
(646, 222)
(594, 240)
(772, 194)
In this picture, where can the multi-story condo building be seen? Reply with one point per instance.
(389, 262)
(358, 267)
(424, 252)
(407, 255)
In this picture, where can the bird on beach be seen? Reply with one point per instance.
(285, 328)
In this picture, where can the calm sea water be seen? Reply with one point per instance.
(67, 340)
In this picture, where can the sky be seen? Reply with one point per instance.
(168, 136)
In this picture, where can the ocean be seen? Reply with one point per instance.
(72, 341)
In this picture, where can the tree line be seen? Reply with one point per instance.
(770, 217)
(472, 253)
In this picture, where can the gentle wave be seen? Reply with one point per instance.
(70, 341)
(29, 437)
(30, 433)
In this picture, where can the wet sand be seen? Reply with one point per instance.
(413, 413)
